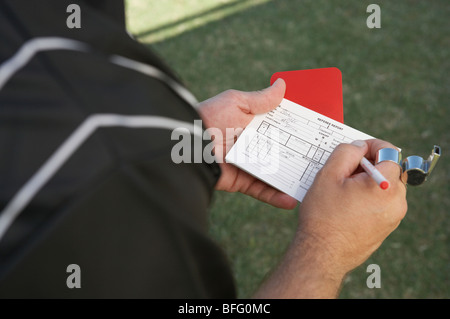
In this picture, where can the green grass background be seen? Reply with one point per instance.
(396, 87)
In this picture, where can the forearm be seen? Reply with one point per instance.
(306, 271)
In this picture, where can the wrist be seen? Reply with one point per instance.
(308, 270)
(319, 265)
(318, 255)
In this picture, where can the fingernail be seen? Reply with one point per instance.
(277, 80)
(359, 143)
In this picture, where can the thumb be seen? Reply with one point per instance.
(345, 159)
(266, 100)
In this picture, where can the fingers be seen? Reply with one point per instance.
(270, 195)
(375, 145)
(342, 164)
(236, 180)
(390, 170)
(345, 159)
(265, 100)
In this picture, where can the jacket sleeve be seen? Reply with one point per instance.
(117, 206)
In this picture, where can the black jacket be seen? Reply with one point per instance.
(117, 206)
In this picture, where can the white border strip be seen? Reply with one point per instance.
(28, 50)
(72, 143)
(156, 73)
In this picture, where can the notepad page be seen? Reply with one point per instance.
(287, 146)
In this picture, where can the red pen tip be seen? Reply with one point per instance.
(384, 185)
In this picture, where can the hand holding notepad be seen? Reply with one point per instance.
(287, 146)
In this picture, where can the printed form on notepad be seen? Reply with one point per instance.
(287, 146)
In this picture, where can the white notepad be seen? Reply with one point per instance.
(287, 146)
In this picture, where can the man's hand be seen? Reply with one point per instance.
(233, 110)
(348, 212)
(343, 219)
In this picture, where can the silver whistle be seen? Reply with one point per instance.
(419, 169)
(415, 169)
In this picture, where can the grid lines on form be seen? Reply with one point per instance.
(297, 160)
(287, 146)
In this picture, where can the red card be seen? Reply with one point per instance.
(317, 89)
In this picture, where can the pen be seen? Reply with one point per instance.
(374, 173)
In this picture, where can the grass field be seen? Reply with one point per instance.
(396, 86)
